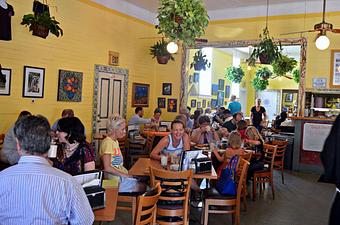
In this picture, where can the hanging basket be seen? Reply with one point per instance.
(198, 67)
(264, 59)
(163, 59)
(40, 31)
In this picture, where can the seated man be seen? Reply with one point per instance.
(204, 134)
(64, 114)
(138, 119)
(231, 124)
(33, 192)
(9, 153)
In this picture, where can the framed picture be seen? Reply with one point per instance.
(161, 103)
(113, 58)
(335, 69)
(220, 98)
(214, 89)
(204, 103)
(140, 94)
(193, 103)
(5, 81)
(220, 84)
(70, 86)
(199, 105)
(33, 85)
(289, 97)
(227, 91)
(213, 103)
(167, 89)
(190, 79)
(172, 105)
(208, 104)
(196, 77)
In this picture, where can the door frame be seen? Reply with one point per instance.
(110, 70)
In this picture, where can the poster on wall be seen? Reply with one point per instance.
(5, 81)
(70, 86)
(33, 85)
(161, 103)
(140, 95)
(319, 82)
(172, 105)
(335, 69)
(214, 89)
(220, 84)
(312, 130)
(193, 103)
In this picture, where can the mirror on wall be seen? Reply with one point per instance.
(211, 87)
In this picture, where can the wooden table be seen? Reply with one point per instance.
(141, 168)
(155, 133)
(109, 212)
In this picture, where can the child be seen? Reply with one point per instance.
(241, 128)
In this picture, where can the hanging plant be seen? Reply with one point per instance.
(259, 84)
(200, 62)
(41, 24)
(182, 20)
(264, 73)
(296, 75)
(266, 51)
(283, 65)
(159, 51)
(234, 74)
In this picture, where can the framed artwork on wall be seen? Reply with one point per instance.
(5, 81)
(167, 89)
(227, 91)
(70, 86)
(33, 85)
(113, 58)
(193, 103)
(208, 104)
(196, 77)
(214, 89)
(204, 103)
(140, 95)
(161, 103)
(335, 69)
(220, 84)
(172, 105)
(289, 97)
(220, 98)
(190, 79)
(199, 105)
(213, 103)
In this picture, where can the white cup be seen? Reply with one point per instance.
(164, 160)
(52, 152)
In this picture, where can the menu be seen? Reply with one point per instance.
(314, 136)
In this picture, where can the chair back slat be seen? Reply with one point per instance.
(149, 143)
(269, 155)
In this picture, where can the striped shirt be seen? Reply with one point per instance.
(33, 192)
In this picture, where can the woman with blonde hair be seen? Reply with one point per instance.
(253, 139)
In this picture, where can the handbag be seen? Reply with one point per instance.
(226, 185)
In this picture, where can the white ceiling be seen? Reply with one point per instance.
(224, 9)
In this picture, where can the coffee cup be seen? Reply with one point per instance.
(164, 160)
(52, 152)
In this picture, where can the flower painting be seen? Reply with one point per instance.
(172, 105)
(70, 86)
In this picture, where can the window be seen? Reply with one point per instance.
(205, 76)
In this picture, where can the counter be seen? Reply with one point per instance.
(309, 136)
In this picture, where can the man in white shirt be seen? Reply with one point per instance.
(138, 119)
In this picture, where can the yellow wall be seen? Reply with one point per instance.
(90, 31)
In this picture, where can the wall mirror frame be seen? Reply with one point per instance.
(302, 42)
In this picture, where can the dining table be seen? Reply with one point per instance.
(155, 133)
(141, 168)
(109, 212)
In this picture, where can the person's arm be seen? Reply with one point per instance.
(163, 143)
(215, 135)
(264, 115)
(142, 121)
(106, 159)
(186, 142)
(80, 210)
(252, 141)
(218, 156)
(196, 135)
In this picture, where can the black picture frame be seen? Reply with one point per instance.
(220, 84)
(33, 84)
(172, 105)
(227, 91)
(167, 89)
(289, 97)
(199, 105)
(214, 89)
(204, 103)
(220, 98)
(5, 81)
(213, 103)
(196, 77)
(70, 86)
(161, 103)
(193, 103)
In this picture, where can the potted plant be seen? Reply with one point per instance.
(200, 62)
(159, 51)
(296, 75)
(234, 74)
(283, 65)
(259, 84)
(264, 73)
(266, 51)
(182, 20)
(42, 24)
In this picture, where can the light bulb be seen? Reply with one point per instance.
(172, 47)
(322, 42)
(249, 67)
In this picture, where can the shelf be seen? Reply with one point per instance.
(326, 110)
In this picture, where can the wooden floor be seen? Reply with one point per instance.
(302, 200)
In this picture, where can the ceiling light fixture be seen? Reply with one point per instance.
(322, 42)
(172, 47)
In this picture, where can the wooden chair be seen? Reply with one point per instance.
(137, 151)
(147, 206)
(213, 198)
(265, 175)
(246, 157)
(280, 156)
(173, 203)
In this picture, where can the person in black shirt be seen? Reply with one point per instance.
(6, 12)
(231, 124)
(257, 115)
(280, 119)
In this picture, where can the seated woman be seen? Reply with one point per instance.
(111, 155)
(77, 155)
(173, 144)
(241, 128)
(204, 134)
(156, 119)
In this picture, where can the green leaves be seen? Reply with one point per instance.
(296, 75)
(159, 49)
(263, 73)
(182, 20)
(234, 74)
(283, 65)
(259, 84)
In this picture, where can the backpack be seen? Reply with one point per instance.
(226, 184)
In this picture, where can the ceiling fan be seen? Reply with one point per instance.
(322, 41)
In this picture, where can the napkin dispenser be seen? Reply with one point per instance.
(202, 165)
(92, 181)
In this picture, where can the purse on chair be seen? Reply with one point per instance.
(226, 185)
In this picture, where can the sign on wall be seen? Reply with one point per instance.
(319, 82)
(314, 136)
